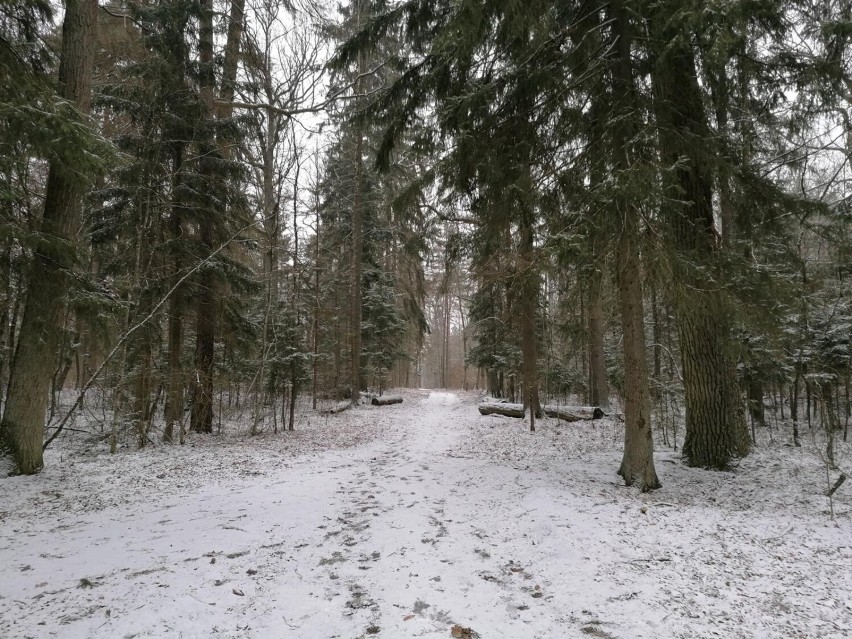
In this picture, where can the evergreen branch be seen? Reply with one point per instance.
(124, 338)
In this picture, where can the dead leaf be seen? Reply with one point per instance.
(408, 617)
(460, 632)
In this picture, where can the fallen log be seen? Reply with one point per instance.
(337, 408)
(506, 410)
(567, 413)
(573, 413)
(386, 400)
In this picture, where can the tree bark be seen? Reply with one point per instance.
(209, 294)
(174, 395)
(598, 384)
(316, 309)
(207, 308)
(22, 428)
(357, 244)
(506, 410)
(386, 400)
(716, 431)
(637, 464)
(529, 285)
(755, 399)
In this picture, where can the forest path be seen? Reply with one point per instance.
(396, 536)
(412, 545)
(405, 520)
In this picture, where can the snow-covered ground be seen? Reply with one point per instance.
(406, 520)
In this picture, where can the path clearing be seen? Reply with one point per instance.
(444, 517)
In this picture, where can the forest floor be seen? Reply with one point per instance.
(408, 520)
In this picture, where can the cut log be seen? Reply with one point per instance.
(568, 413)
(386, 400)
(337, 408)
(573, 413)
(506, 410)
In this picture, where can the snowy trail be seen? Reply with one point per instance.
(439, 517)
(389, 537)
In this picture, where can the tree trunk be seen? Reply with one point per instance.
(529, 306)
(506, 410)
(386, 400)
(637, 464)
(201, 414)
(294, 393)
(598, 384)
(174, 394)
(209, 294)
(658, 346)
(316, 309)
(357, 247)
(755, 399)
(142, 390)
(716, 430)
(22, 428)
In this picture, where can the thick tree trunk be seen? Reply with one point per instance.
(201, 414)
(236, 25)
(637, 464)
(209, 294)
(22, 428)
(716, 430)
